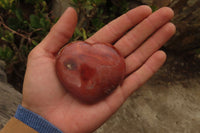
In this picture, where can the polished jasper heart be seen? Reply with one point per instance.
(90, 72)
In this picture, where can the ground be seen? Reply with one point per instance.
(168, 103)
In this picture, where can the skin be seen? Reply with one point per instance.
(44, 94)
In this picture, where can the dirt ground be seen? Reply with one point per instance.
(168, 103)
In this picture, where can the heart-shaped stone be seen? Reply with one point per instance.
(90, 72)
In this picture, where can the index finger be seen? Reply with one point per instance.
(118, 27)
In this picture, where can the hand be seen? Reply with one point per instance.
(43, 93)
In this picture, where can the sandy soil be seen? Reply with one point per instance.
(168, 103)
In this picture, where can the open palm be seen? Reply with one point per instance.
(44, 94)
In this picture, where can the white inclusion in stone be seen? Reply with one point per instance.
(69, 66)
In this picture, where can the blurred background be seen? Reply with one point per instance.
(168, 103)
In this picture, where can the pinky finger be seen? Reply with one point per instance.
(139, 77)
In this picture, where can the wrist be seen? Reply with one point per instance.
(35, 121)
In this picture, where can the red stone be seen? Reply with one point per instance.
(90, 72)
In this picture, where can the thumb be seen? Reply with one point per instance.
(61, 32)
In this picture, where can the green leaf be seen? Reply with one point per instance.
(14, 23)
(97, 23)
(44, 6)
(6, 4)
(84, 34)
(8, 37)
(33, 1)
(89, 7)
(100, 2)
(34, 42)
(19, 14)
(75, 1)
(34, 21)
(1, 53)
(45, 24)
(78, 32)
(9, 53)
(6, 53)
(154, 8)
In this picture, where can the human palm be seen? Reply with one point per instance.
(44, 94)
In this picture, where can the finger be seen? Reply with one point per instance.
(61, 32)
(139, 77)
(115, 29)
(141, 32)
(137, 58)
